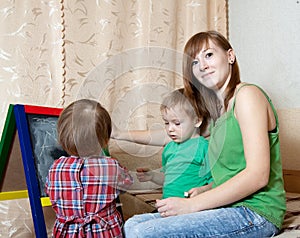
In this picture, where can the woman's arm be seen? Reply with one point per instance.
(156, 137)
(252, 111)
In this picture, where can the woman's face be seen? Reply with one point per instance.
(212, 67)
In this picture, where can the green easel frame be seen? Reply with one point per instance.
(8, 134)
(6, 139)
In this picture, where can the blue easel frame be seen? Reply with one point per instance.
(28, 163)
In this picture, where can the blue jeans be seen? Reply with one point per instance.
(224, 222)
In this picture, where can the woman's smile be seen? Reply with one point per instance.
(206, 75)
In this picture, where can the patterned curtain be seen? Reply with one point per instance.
(124, 53)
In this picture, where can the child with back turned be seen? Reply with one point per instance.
(83, 187)
(184, 158)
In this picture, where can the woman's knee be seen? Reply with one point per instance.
(140, 225)
(129, 226)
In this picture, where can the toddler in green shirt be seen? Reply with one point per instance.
(184, 159)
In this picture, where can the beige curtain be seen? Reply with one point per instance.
(54, 52)
(124, 53)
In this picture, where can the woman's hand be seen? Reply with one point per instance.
(173, 206)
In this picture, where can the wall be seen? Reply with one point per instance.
(266, 37)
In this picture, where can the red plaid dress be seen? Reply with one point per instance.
(83, 192)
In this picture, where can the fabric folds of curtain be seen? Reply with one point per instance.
(126, 54)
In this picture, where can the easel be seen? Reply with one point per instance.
(20, 118)
(17, 120)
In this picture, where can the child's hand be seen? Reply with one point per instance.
(144, 174)
(195, 191)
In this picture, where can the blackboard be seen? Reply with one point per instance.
(36, 128)
(45, 147)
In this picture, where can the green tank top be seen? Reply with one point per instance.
(226, 157)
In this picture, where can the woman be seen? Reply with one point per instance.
(247, 198)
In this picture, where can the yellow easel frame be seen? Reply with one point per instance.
(22, 194)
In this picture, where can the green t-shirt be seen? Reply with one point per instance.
(226, 157)
(185, 166)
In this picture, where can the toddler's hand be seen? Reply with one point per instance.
(195, 191)
(144, 174)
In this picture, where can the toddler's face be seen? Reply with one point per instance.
(179, 125)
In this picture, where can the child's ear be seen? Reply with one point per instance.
(198, 122)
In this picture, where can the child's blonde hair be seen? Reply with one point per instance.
(175, 98)
(84, 128)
